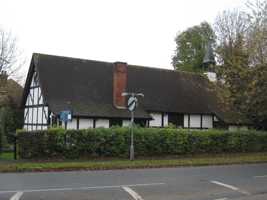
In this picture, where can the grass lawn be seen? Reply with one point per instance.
(200, 160)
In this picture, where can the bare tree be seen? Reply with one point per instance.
(10, 61)
(257, 34)
(231, 29)
(242, 49)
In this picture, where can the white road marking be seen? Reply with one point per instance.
(230, 187)
(134, 194)
(221, 198)
(16, 196)
(263, 176)
(81, 188)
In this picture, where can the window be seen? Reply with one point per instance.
(176, 119)
(115, 122)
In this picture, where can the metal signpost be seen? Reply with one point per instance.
(131, 105)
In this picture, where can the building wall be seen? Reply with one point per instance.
(194, 121)
(72, 124)
(165, 120)
(86, 123)
(207, 121)
(156, 121)
(36, 116)
(104, 123)
(186, 121)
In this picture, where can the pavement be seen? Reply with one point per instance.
(237, 182)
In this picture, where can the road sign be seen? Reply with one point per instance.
(132, 103)
(65, 116)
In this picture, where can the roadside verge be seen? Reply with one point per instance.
(106, 164)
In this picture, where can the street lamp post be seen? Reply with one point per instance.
(132, 138)
(132, 104)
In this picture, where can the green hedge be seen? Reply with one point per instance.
(114, 142)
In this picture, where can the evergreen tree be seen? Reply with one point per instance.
(190, 47)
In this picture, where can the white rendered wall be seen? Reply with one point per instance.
(126, 123)
(39, 116)
(45, 113)
(71, 124)
(207, 121)
(34, 115)
(195, 121)
(86, 123)
(35, 118)
(165, 120)
(35, 96)
(30, 115)
(28, 102)
(26, 116)
(102, 123)
(186, 121)
(156, 122)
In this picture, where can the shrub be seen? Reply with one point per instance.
(114, 142)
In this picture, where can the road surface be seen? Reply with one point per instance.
(237, 182)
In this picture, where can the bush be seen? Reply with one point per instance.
(114, 142)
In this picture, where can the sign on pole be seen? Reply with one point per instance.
(65, 116)
(132, 103)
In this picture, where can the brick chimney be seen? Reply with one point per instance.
(119, 84)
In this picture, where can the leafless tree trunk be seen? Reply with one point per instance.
(10, 61)
(257, 39)
(230, 27)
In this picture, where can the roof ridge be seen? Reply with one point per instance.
(130, 65)
(168, 70)
(72, 58)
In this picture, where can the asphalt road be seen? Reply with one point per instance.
(246, 182)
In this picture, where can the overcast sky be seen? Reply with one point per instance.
(138, 32)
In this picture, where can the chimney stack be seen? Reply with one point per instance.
(119, 84)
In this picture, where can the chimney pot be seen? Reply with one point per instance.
(119, 84)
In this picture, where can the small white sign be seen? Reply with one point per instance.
(69, 116)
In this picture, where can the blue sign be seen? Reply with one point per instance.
(65, 116)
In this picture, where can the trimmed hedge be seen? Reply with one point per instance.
(114, 142)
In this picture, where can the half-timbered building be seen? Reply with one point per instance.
(92, 90)
(36, 116)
